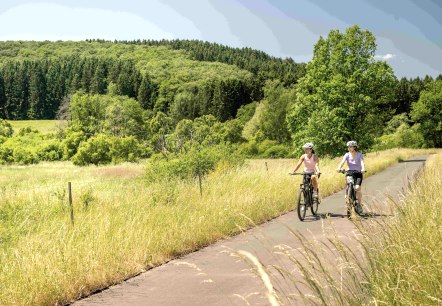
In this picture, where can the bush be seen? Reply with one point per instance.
(6, 155)
(94, 151)
(103, 149)
(27, 130)
(199, 161)
(125, 149)
(249, 149)
(71, 142)
(22, 149)
(24, 156)
(277, 151)
(50, 151)
(403, 137)
(5, 128)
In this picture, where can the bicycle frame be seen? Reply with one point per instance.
(351, 199)
(305, 197)
(308, 190)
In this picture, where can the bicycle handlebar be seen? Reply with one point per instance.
(297, 173)
(343, 171)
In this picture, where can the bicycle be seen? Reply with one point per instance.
(351, 200)
(305, 197)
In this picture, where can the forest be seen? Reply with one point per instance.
(127, 100)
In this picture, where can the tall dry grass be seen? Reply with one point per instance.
(124, 225)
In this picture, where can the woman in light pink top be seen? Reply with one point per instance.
(311, 166)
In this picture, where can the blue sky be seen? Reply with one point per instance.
(408, 32)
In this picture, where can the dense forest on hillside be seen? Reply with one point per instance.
(132, 99)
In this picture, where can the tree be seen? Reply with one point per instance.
(147, 93)
(341, 95)
(427, 111)
(37, 92)
(124, 117)
(277, 100)
(89, 111)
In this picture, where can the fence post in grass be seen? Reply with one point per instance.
(267, 167)
(70, 203)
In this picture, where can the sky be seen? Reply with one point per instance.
(408, 32)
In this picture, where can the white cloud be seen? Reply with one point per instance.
(45, 21)
(385, 57)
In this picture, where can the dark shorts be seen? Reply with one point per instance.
(357, 176)
(307, 177)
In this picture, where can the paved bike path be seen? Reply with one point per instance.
(215, 276)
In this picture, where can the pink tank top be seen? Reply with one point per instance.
(309, 164)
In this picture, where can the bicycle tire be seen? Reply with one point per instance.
(314, 206)
(302, 207)
(350, 201)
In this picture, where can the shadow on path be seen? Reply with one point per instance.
(326, 215)
(412, 161)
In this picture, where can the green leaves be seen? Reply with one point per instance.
(341, 94)
(427, 111)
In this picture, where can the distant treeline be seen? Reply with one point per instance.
(36, 76)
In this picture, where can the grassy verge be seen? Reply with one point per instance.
(124, 225)
(407, 262)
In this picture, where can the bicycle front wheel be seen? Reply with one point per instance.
(350, 201)
(302, 207)
(315, 205)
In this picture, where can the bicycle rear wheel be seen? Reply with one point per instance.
(302, 207)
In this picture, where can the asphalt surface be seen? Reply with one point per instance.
(216, 275)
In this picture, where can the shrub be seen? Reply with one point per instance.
(50, 151)
(403, 137)
(125, 149)
(24, 156)
(6, 155)
(5, 128)
(27, 130)
(249, 149)
(94, 151)
(199, 161)
(277, 151)
(72, 142)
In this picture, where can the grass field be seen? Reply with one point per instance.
(124, 225)
(43, 126)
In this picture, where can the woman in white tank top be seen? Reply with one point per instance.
(311, 166)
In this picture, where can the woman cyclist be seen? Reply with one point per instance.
(311, 166)
(355, 164)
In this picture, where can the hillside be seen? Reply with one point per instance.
(36, 76)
